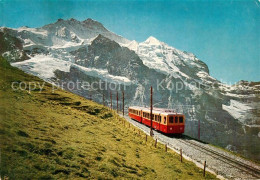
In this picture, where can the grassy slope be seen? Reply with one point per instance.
(61, 135)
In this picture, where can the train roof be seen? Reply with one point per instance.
(163, 111)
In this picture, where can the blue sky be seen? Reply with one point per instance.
(222, 33)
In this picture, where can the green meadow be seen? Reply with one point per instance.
(60, 135)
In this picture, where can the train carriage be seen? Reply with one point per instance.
(166, 121)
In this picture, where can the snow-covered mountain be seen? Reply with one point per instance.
(71, 50)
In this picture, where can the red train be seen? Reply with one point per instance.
(166, 121)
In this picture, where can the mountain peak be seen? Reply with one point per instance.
(89, 20)
(60, 19)
(63, 21)
(152, 41)
(92, 23)
(72, 19)
(102, 39)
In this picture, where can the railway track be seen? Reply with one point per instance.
(254, 172)
(232, 162)
(234, 166)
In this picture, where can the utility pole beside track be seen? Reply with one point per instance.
(117, 101)
(199, 129)
(123, 103)
(111, 99)
(103, 99)
(151, 112)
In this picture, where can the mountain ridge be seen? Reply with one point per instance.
(71, 51)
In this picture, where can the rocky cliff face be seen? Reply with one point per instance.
(11, 47)
(70, 50)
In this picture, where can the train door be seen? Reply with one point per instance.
(165, 123)
(141, 116)
(159, 121)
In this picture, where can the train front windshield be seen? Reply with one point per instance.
(176, 119)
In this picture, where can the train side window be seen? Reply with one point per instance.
(171, 119)
(160, 119)
(181, 119)
(164, 120)
(176, 119)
